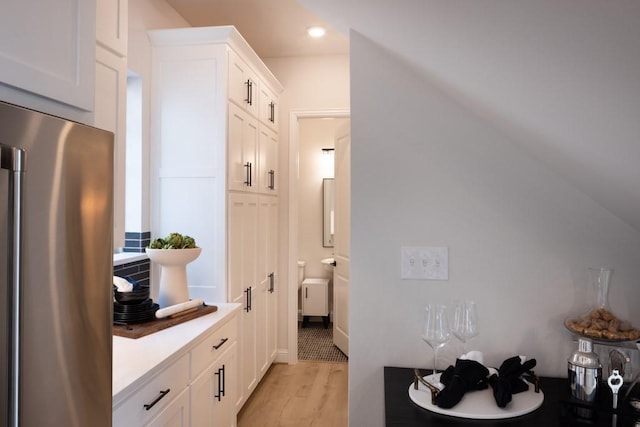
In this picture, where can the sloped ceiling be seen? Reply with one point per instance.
(273, 28)
(560, 77)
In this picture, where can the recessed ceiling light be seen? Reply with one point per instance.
(316, 32)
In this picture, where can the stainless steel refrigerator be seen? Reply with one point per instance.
(56, 267)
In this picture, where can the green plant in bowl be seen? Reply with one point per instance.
(173, 241)
(172, 254)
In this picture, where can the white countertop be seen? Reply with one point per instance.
(127, 257)
(136, 360)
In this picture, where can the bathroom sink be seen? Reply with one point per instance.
(328, 261)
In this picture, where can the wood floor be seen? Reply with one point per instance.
(306, 394)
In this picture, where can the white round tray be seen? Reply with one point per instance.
(478, 404)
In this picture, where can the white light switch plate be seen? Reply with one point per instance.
(424, 263)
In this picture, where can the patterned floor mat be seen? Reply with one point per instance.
(316, 343)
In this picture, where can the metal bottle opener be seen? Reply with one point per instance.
(615, 382)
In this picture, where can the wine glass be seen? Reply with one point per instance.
(436, 331)
(465, 321)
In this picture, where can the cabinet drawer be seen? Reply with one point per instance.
(213, 346)
(132, 412)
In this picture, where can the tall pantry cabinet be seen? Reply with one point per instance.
(214, 165)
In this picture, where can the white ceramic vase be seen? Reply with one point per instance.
(173, 273)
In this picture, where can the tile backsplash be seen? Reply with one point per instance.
(136, 241)
(138, 270)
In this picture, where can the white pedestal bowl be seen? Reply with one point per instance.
(173, 273)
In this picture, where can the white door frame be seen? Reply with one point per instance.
(292, 254)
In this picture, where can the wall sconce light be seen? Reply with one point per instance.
(327, 162)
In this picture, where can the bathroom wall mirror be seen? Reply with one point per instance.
(328, 213)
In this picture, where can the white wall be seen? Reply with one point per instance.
(566, 85)
(146, 15)
(311, 83)
(520, 238)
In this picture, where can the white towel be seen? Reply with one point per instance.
(122, 284)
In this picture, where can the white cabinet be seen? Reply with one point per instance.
(188, 150)
(243, 225)
(266, 346)
(214, 378)
(242, 164)
(252, 154)
(224, 411)
(175, 414)
(208, 134)
(268, 108)
(252, 281)
(198, 389)
(243, 84)
(110, 114)
(315, 299)
(110, 103)
(151, 399)
(213, 396)
(112, 25)
(242, 254)
(274, 282)
(267, 161)
(47, 56)
(194, 122)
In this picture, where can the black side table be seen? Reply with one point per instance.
(557, 410)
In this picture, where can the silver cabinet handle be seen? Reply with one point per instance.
(14, 160)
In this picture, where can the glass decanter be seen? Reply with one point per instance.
(599, 323)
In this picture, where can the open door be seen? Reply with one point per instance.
(342, 238)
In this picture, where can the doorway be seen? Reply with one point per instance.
(294, 228)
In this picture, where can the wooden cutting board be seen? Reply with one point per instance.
(137, 330)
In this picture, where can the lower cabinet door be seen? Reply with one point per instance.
(176, 414)
(150, 404)
(213, 393)
(225, 408)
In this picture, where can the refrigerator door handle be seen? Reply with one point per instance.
(14, 160)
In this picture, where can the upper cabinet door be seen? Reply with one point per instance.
(242, 151)
(48, 49)
(268, 107)
(243, 84)
(112, 25)
(267, 161)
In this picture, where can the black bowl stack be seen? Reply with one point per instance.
(134, 306)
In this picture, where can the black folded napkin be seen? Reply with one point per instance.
(467, 375)
(508, 382)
